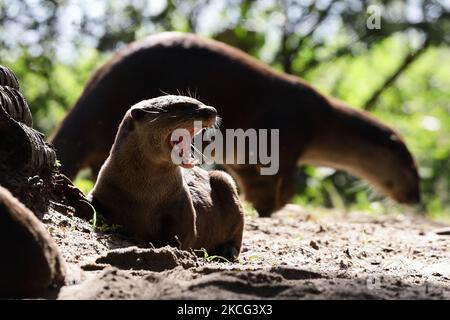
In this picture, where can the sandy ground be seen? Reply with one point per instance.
(293, 255)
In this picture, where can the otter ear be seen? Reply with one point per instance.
(138, 114)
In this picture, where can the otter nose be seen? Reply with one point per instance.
(208, 111)
(413, 197)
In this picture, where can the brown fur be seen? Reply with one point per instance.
(140, 188)
(30, 265)
(314, 129)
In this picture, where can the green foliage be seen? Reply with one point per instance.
(84, 182)
(51, 88)
(210, 258)
(100, 224)
(248, 209)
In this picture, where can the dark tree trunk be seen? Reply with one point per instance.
(28, 165)
(29, 170)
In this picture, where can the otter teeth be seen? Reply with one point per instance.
(183, 149)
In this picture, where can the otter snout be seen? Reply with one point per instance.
(411, 197)
(207, 111)
(208, 115)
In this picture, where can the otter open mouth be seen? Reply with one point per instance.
(182, 145)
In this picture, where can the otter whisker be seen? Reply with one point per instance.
(218, 122)
(200, 153)
(209, 132)
(153, 120)
(160, 110)
(151, 112)
(162, 91)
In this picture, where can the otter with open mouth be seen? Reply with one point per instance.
(141, 188)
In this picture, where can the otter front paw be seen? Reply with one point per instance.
(228, 251)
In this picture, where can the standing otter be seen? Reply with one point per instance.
(314, 129)
(158, 201)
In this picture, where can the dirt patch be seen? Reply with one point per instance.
(134, 258)
(293, 255)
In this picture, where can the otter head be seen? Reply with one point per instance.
(377, 153)
(394, 170)
(156, 120)
(357, 142)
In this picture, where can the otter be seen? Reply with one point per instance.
(31, 265)
(314, 129)
(156, 200)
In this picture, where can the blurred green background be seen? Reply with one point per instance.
(401, 72)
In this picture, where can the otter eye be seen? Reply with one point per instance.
(137, 114)
(184, 107)
(141, 113)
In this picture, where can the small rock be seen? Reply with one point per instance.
(437, 274)
(443, 232)
(347, 253)
(64, 223)
(84, 229)
(157, 260)
(314, 245)
(345, 264)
